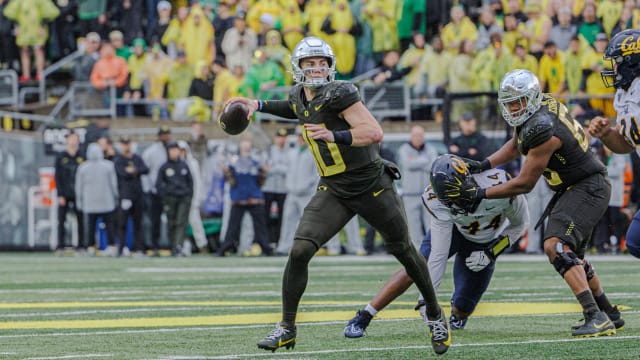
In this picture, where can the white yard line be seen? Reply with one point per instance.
(74, 356)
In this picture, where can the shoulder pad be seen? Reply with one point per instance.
(340, 94)
(538, 130)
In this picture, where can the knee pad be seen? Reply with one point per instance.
(564, 261)
(589, 270)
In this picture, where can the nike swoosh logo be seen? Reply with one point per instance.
(376, 193)
(490, 208)
(282, 343)
(519, 141)
(317, 107)
(604, 324)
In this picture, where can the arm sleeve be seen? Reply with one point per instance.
(279, 108)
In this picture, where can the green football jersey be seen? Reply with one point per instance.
(345, 170)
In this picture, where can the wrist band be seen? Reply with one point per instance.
(485, 165)
(343, 137)
(482, 193)
(259, 105)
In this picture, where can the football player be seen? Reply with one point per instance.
(475, 233)
(556, 147)
(344, 140)
(624, 137)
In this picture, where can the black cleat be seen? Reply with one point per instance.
(595, 324)
(355, 327)
(455, 323)
(614, 316)
(439, 333)
(279, 337)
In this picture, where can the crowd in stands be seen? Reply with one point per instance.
(183, 55)
(168, 51)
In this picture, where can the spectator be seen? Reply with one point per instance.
(589, 27)
(433, 77)
(551, 71)
(389, 70)
(84, 64)
(172, 37)
(573, 65)
(175, 187)
(458, 29)
(609, 12)
(491, 64)
(116, 38)
(109, 70)
(157, 69)
(66, 166)
(564, 31)
(260, 11)
(97, 195)
(245, 176)
(592, 84)
(315, 11)
(383, 16)
(32, 31)
(414, 159)
(195, 221)
(412, 22)
(126, 13)
(179, 80)
(471, 143)
(92, 16)
(130, 168)
(136, 65)
(524, 60)
(154, 157)
(157, 30)
(152, 17)
(8, 49)
(225, 85)
(197, 37)
(300, 181)
(513, 34)
(486, 28)
(222, 22)
(342, 28)
(291, 24)
(537, 28)
(239, 43)
(514, 7)
(62, 41)
(275, 187)
(279, 54)
(411, 58)
(263, 75)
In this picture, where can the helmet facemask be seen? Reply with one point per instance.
(522, 88)
(624, 56)
(313, 47)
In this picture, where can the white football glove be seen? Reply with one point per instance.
(478, 260)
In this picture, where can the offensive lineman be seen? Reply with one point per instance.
(475, 235)
(625, 136)
(344, 139)
(555, 147)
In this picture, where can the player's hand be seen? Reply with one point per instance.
(251, 104)
(475, 166)
(477, 261)
(599, 126)
(319, 132)
(466, 195)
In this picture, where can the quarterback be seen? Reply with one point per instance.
(624, 53)
(556, 147)
(475, 234)
(344, 140)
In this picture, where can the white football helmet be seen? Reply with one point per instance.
(519, 86)
(313, 47)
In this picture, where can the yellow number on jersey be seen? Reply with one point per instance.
(323, 169)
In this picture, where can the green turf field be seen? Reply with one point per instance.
(218, 308)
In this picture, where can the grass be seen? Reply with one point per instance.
(218, 308)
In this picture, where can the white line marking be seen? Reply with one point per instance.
(77, 356)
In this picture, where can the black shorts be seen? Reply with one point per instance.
(381, 207)
(577, 212)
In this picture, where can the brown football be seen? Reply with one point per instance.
(234, 118)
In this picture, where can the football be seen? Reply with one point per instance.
(234, 118)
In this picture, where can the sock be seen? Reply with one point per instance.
(603, 302)
(587, 301)
(371, 310)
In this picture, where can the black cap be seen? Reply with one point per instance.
(172, 144)
(164, 130)
(282, 132)
(468, 116)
